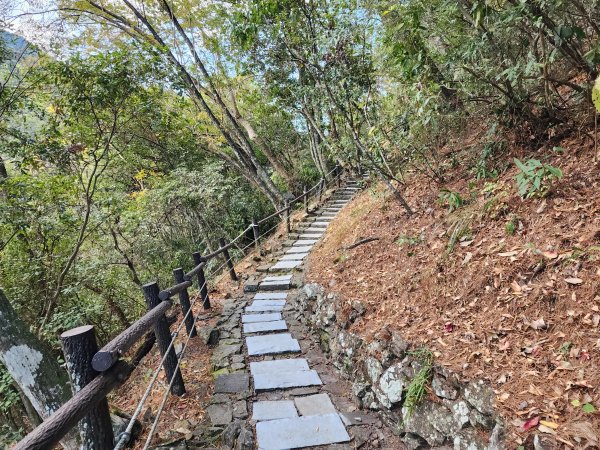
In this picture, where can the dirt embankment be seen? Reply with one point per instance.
(501, 288)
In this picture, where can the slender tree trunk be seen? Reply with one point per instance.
(33, 367)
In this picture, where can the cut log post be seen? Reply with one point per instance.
(287, 216)
(184, 301)
(305, 194)
(48, 434)
(321, 189)
(163, 339)
(256, 231)
(202, 281)
(79, 346)
(338, 174)
(228, 260)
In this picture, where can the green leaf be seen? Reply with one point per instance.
(596, 94)
(575, 403)
(588, 408)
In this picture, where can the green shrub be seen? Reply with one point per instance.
(451, 199)
(535, 177)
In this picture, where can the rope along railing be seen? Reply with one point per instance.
(98, 372)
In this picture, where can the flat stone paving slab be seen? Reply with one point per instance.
(286, 380)
(277, 278)
(319, 224)
(232, 383)
(270, 410)
(260, 309)
(271, 344)
(260, 327)
(279, 365)
(274, 285)
(286, 265)
(310, 236)
(299, 249)
(314, 230)
(294, 257)
(300, 432)
(314, 405)
(250, 318)
(269, 302)
(270, 295)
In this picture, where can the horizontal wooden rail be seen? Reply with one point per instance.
(166, 294)
(53, 429)
(188, 276)
(108, 355)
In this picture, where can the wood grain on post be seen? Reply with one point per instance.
(305, 199)
(79, 346)
(52, 430)
(163, 339)
(232, 273)
(202, 281)
(184, 301)
(255, 231)
(287, 216)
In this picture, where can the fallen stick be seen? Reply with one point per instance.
(362, 241)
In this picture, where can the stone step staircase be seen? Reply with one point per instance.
(301, 420)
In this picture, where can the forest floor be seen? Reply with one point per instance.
(514, 300)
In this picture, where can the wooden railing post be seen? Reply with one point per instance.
(256, 231)
(202, 282)
(163, 339)
(338, 174)
(79, 346)
(232, 273)
(184, 301)
(305, 199)
(287, 216)
(321, 189)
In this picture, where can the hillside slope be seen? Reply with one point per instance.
(501, 288)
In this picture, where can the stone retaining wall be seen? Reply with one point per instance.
(453, 411)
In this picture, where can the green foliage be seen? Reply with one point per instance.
(417, 388)
(596, 94)
(535, 177)
(451, 199)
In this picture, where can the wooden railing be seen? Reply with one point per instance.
(95, 373)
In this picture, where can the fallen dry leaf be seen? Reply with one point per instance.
(574, 281)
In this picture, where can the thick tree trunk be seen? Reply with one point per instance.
(33, 367)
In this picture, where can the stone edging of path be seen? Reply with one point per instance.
(456, 412)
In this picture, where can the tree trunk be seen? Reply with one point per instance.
(33, 367)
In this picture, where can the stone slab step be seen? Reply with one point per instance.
(314, 405)
(269, 302)
(286, 380)
(274, 285)
(272, 344)
(262, 327)
(310, 236)
(270, 410)
(299, 249)
(278, 278)
(279, 365)
(285, 265)
(262, 309)
(250, 318)
(270, 296)
(303, 242)
(293, 257)
(312, 230)
(301, 432)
